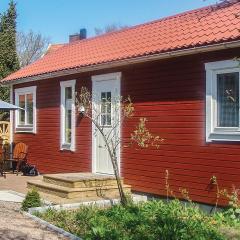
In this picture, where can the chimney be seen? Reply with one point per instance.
(78, 36)
(83, 33)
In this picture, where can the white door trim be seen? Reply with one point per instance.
(95, 79)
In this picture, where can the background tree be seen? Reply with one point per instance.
(121, 109)
(8, 56)
(30, 47)
(109, 28)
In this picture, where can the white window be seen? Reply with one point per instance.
(68, 115)
(222, 101)
(25, 98)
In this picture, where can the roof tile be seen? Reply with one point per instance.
(205, 26)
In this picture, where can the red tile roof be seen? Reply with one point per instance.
(201, 27)
(53, 47)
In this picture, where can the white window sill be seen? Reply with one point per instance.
(24, 129)
(67, 147)
(224, 136)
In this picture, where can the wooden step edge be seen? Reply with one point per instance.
(39, 183)
(62, 182)
(81, 180)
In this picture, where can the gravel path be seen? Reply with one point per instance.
(13, 225)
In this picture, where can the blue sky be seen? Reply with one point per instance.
(59, 18)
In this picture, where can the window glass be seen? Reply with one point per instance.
(22, 110)
(228, 100)
(29, 108)
(106, 106)
(68, 115)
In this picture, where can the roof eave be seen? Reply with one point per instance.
(141, 59)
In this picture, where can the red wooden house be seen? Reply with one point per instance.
(182, 75)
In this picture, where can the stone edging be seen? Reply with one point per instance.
(69, 206)
(52, 227)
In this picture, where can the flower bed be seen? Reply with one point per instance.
(149, 220)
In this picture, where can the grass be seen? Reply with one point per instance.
(150, 220)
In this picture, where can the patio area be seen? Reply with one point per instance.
(16, 183)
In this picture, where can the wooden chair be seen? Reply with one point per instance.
(19, 155)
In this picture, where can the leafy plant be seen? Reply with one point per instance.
(32, 199)
(150, 220)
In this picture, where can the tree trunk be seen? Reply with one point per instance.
(112, 154)
(123, 198)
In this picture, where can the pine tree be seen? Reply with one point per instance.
(8, 55)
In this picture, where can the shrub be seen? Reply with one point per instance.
(150, 220)
(32, 199)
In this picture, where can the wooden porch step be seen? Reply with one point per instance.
(80, 180)
(109, 191)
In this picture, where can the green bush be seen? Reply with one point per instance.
(150, 220)
(32, 199)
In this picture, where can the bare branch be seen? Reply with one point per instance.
(30, 47)
(94, 109)
(109, 28)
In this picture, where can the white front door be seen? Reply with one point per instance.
(106, 96)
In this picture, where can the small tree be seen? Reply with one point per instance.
(31, 200)
(121, 109)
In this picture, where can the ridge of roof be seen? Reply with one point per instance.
(209, 7)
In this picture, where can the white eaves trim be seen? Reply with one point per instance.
(124, 62)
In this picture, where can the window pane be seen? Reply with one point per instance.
(68, 115)
(103, 120)
(68, 98)
(228, 99)
(106, 108)
(22, 111)
(68, 126)
(29, 109)
(103, 96)
(108, 119)
(68, 93)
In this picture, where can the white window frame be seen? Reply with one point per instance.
(25, 128)
(63, 144)
(214, 133)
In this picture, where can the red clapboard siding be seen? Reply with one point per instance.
(171, 94)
